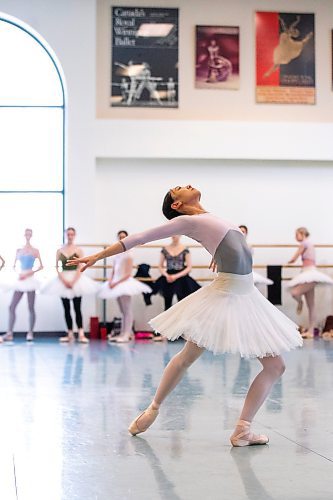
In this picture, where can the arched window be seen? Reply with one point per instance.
(32, 140)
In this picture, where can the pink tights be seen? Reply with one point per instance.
(272, 369)
(308, 290)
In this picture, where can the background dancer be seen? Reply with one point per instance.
(304, 283)
(26, 282)
(175, 265)
(70, 285)
(122, 286)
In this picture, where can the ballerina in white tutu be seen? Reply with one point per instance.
(258, 279)
(25, 259)
(70, 285)
(123, 287)
(228, 315)
(304, 284)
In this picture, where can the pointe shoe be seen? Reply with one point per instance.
(158, 338)
(307, 335)
(122, 339)
(67, 338)
(150, 412)
(83, 339)
(246, 437)
(7, 337)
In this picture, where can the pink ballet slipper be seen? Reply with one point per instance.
(151, 413)
(246, 437)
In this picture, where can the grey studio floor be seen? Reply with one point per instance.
(65, 411)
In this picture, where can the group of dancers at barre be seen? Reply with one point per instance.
(175, 266)
(229, 315)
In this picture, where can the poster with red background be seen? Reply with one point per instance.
(285, 58)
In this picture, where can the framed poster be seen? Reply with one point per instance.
(217, 57)
(144, 69)
(285, 58)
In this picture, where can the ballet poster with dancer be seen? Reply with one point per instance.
(217, 57)
(285, 55)
(144, 57)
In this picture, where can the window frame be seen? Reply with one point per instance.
(22, 26)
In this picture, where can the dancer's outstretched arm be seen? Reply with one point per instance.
(179, 225)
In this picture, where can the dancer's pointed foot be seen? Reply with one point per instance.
(243, 436)
(8, 337)
(29, 337)
(144, 420)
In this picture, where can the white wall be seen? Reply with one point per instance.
(217, 127)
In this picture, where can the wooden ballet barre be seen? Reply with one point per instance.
(256, 266)
(253, 245)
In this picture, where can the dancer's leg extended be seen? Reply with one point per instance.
(172, 375)
(298, 291)
(273, 368)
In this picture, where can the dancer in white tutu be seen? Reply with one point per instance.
(258, 279)
(25, 282)
(122, 286)
(70, 285)
(228, 315)
(306, 281)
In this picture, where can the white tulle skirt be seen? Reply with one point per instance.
(129, 287)
(258, 279)
(10, 282)
(230, 315)
(310, 274)
(83, 286)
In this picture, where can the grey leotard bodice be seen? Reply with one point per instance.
(233, 254)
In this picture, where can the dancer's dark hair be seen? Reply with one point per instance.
(168, 212)
(122, 231)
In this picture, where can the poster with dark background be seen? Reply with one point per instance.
(285, 56)
(217, 57)
(144, 70)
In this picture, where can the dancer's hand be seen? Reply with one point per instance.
(112, 285)
(24, 276)
(213, 266)
(87, 261)
(170, 278)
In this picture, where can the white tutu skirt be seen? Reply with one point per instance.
(83, 286)
(258, 279)
(230, 315)
(9, 282)
(310, 274)
(129, 287)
